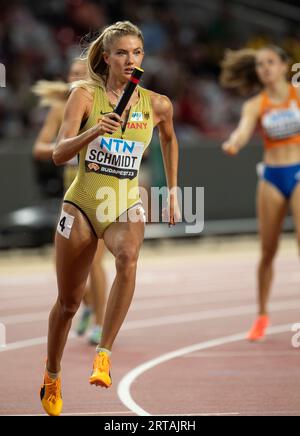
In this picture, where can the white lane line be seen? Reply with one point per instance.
(208, 315)
(25, 318)
(124, 387)
(30, 343)
(136, 307)
(152, 304)
(172, 319)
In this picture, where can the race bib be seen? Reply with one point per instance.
(282, 123)
(65, 224)
(114, 157)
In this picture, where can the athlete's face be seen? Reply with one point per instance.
(270, 67)
(78, 71)
(125, 54)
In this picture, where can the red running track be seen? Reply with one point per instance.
(196, 306)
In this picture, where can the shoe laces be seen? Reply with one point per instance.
(53, 390)
(102, 362)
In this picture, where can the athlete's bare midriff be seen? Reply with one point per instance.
(283, 155)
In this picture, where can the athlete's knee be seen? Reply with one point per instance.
(68, 307)
(126, 258)
(268, 254)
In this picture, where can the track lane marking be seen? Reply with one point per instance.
(124, 387)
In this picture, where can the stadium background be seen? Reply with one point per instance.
(185, 42)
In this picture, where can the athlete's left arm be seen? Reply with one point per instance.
(163, 119)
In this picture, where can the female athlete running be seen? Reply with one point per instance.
(55, 95)
(276, 108)
(103, 202)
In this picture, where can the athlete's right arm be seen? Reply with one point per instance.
(69, 143)
(241, 136)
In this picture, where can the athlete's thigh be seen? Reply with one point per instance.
(75, 249)
(272, 207)
(295, 206)
(126, 234)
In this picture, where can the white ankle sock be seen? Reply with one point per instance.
(53, 375)
(103, 350)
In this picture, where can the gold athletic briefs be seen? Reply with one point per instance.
(106, 184)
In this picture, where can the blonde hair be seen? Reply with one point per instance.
(238, 69)
(97, 67)
(51, 93)
(54, 93)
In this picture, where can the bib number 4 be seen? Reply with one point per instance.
(62, 224)
(65, 224)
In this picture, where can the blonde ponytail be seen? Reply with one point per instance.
(51, 93)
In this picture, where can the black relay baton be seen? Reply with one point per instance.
(128, 91)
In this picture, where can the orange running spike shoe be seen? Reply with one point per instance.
(51, 397)
(101, 371)
(258, 330)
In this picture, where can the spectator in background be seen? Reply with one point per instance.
(37, 39)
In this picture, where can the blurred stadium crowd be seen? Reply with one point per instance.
(185, 42)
